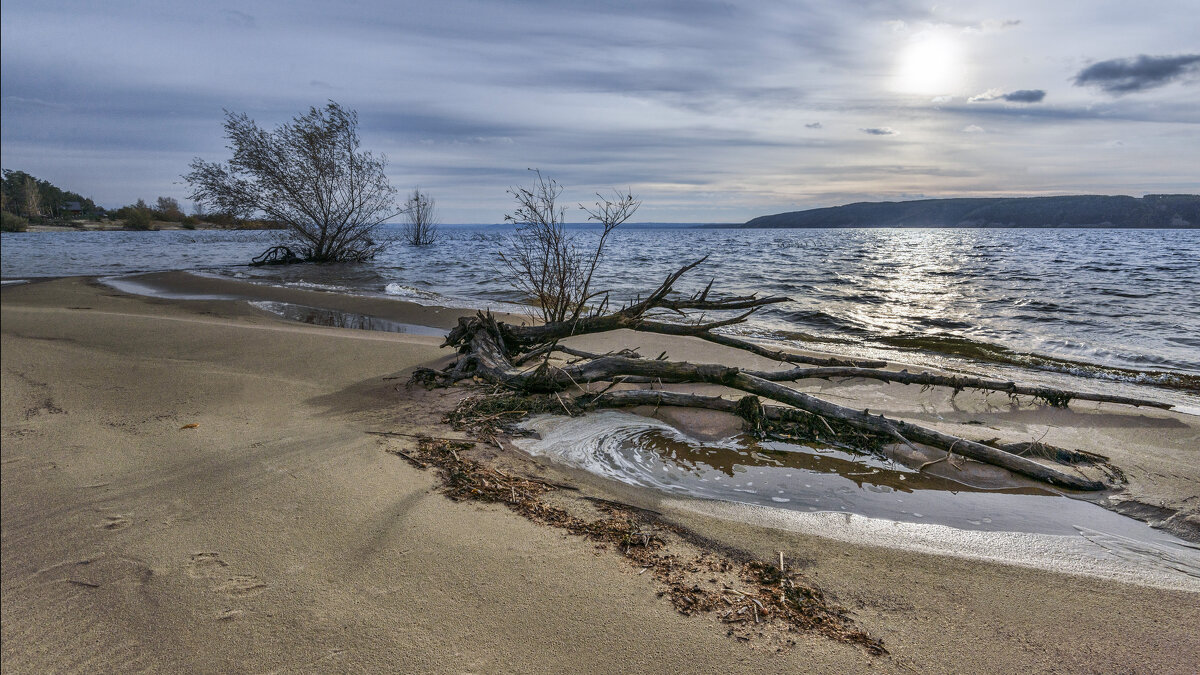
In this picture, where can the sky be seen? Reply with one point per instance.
(708, 111)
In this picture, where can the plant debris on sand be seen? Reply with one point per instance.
(748, 596)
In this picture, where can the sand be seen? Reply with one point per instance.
(277, 535)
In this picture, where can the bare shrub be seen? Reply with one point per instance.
(309, 175)
(544, 261)
(420, 219)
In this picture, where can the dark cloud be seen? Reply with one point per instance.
(880, 131)
(1168, 112)
(1019, 96)
(1025, 96)
(1122, 76)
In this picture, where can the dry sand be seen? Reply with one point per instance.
(276, 535)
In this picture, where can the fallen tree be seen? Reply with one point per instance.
(521, 359)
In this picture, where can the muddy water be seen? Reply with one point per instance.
(831, 492)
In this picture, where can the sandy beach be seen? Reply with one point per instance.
(191, 485)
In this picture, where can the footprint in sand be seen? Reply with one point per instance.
(242, 586)
(115, 522)
(210, 566)
(205, 565)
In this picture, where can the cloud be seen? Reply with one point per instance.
(814, 125)
(989, 95)
(1122, 76)
(1019, 96)
(973, 129)
(880, 131)
(1025, 96)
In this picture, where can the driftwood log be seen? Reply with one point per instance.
(519, 358)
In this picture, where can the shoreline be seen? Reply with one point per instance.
(276, 533)
(1175, 513)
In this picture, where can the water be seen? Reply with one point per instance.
(865, 499)
(1075, 308)
(320, 316)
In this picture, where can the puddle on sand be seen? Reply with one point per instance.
(798, 487)
(319, 316)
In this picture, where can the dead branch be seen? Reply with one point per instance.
(1055, 397)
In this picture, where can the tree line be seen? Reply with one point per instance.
(25, 199)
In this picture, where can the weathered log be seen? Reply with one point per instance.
(779, 355)
(1055, 397)
(863, 419)
(625, 398)
(491, 366)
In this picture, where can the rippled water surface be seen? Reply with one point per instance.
(1115, 305)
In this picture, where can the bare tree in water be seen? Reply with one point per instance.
(544, 261)
(308, 175)
(420, 219)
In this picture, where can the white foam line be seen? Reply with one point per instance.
(1091, 553)
(127, 285)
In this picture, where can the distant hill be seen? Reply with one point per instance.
(1151, 211)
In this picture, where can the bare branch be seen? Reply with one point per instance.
(1056, 397)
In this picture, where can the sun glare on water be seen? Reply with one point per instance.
(932, 64)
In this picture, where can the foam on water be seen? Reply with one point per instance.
(135, 287)
(430, 298)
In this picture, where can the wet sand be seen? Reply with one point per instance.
(276, 534)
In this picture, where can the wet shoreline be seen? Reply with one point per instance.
(170, 286)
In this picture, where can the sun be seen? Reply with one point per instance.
(932, 64)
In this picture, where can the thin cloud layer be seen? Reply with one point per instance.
(1123, 76)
